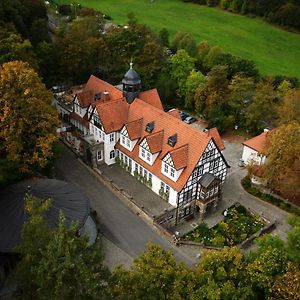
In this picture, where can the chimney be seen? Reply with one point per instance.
(105, 96)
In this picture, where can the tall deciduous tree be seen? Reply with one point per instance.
(13, 47)
(241, 91)
(261, 112)
(79, 49)
(289, 110)
(181, 66)
(217, 87)
(283, 164)
(221, 275)
(194, 81)
(57, 263)
(28, 122)
(152, 276)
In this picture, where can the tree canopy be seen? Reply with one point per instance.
(28, 122)
(57, 263)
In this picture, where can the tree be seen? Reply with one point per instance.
(57, 263)
(289, 110)
(211, 57)
(164, 37)
(283, 163)
(293, 240)
(217, 87)
(152, 277)
(237, 65)
(13, 47)
(194, 81)
(188, 43)
(181, 66)
(269, 261)
(177, 38)
(203, 49)
(261, 112)
(28, 122)
(241, 91)
(200, 99)
(221, 275)
(79, 49)
(287, 286)
(283, 88)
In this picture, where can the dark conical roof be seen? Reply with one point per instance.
(131, 77)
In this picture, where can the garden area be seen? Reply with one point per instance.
(238, 225)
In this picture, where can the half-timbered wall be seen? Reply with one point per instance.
(78, 109)
(125, 140)
(145, 154)
(168, 169)
(211, 161)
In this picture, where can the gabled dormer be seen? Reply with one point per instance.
(150, 147)
(174, 162)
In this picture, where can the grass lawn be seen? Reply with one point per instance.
(275, 51)
(237, 225)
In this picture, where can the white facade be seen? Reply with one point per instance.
(252, 156)
(157, 185)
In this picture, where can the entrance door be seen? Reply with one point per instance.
(89, 156)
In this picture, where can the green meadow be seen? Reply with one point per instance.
(274, 50)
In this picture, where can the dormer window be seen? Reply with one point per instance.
(166, 169)
(97, 96)
(172, 172)
(150, 126)
(172, 140)
(143, 153)
(148, 156)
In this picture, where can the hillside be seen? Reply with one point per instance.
(274, 50)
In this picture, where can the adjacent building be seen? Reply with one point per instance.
(254, 149)
(183, 165)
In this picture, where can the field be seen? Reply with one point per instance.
(274, 50)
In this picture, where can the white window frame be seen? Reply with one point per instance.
(99, 155)
(112, 137)
(112, 154)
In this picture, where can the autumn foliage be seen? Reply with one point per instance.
(27, 121)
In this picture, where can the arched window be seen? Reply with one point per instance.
(112, 154)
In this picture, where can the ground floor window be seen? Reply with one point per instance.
(112, 154)
(99, 155)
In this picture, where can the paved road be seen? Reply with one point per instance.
(118, 224)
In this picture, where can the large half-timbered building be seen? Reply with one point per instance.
(131, 127)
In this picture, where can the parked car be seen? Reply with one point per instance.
(190, 120)
(241, 163)
(183, 115)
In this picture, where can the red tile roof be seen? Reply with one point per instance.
(113, 114)
(214, 133)
(98, 85)
(155, 141)
(85, 98)
(175, 113)
(94, 86)
(151, 97)
(134, 129)
(186, 135)
(258, 143)
(180, 157)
